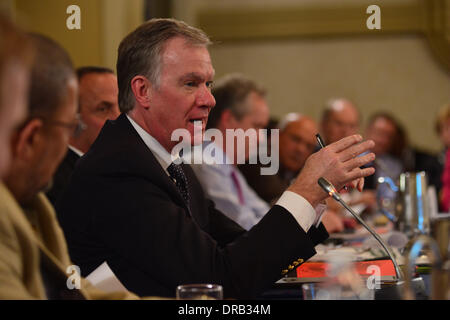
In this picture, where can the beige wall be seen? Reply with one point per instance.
(397, 73)
(103, 24)
(394, 74)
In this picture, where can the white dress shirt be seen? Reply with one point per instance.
(299, 207)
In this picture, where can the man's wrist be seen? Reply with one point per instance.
(308, 195)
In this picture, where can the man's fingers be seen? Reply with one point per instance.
(360, 173)
(345, 143)
(361, 184)
(356, 150)
(356, 184)
(359, 161)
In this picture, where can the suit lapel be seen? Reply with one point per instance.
(148, 166)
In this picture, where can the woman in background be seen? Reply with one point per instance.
(443, 130)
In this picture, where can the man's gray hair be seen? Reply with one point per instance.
(141, 51)
(230, 93)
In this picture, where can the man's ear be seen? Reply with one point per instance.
(141, 87)
(26, 140)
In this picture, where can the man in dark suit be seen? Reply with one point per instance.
(131, 205)
(97, 102)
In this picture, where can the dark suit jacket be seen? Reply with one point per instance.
(121, 206)
(62, 176)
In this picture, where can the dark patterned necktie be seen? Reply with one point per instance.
(177, 173)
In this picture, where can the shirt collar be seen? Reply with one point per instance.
(162, 156)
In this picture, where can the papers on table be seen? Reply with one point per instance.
(363, 253)
(105, 279)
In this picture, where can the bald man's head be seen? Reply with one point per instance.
(339, 120)
(297, 142)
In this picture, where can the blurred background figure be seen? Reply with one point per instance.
(97, 102)
(240, 104)
(394, 156)
(297, 142)
(390, 143)
(394, 153)
(273, 186)
(340, 119)
(443, 131)
(15, 63)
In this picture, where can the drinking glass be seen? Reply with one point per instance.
(199, 292)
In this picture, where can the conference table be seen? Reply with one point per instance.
(364, 252)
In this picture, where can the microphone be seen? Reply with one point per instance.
(331, 190)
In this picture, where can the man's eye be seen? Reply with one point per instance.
(191, 84)
(209, 84)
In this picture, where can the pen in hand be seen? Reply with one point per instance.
(320, 141)
(322, 145)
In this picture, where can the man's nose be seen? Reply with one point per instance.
(205, 98)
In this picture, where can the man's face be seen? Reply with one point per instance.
(257, 118)
(98, 102)
(382, 132)
(13, 85)
(184, 92)
(49, 153)
(297, 143)
(342, 122)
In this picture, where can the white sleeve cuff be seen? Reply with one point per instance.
(300, 208)
(320, 209)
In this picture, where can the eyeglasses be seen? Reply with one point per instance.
(75, 127)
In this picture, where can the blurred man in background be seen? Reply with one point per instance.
(297, 142)
(340, 119)
(15, 63)
(97, 102)
(240, 104)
